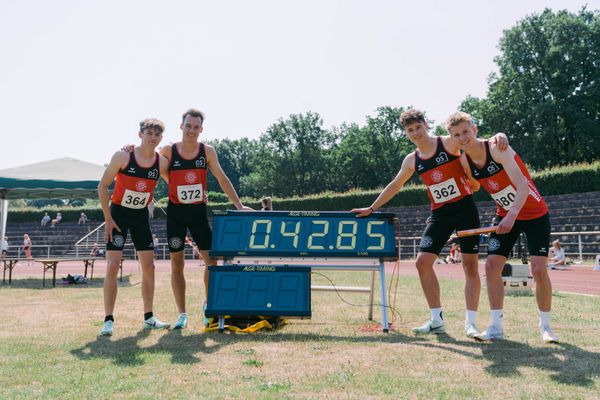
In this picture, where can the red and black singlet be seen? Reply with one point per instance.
(443, 175)
(134, 184)
(187, 178)
(495, 181)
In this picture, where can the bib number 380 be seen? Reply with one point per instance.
(506, 197)
(444, 191)
(188, 194)
(135, 200)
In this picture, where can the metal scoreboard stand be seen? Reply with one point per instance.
(288, 240)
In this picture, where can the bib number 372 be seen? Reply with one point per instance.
(188, 194)
(135, 200)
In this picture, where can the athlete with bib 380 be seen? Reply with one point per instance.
(135, 174)
(438, 162)
(189, 162)
(519, 208)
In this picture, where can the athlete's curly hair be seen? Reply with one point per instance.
(411, 116)
(457, 118)
(152, 123)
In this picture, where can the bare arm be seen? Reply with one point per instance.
(475, 185)
(507, 159)
(213, 164)
(163, 165)
(406, 171)
(118, 161)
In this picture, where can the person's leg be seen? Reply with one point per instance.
(113, 260)
(176, 231)
(178, 279)
(208, 261)
(472, 280)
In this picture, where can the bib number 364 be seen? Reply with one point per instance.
(135, 200)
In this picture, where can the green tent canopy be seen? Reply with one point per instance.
(63, 178)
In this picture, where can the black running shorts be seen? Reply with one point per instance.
(134, 221)
(180, 218)
(537, 235)
(445, 220)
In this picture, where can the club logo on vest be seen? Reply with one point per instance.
(153, 174)
(201, 162)
(141, 186)
(437, 176)
(492, 168)
(493, 185)
(442, 158)
(118, 240)
(494, 244)
(175, 242)
(190, 177)
(426, 241)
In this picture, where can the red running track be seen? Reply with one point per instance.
(573, 279)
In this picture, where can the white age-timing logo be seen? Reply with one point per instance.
(494, 244)
(140, 186)
(492, 168)
(118, 240)
(200, 162)
(442, 158)
(190, 177)
(175, 242)
(437, 176)
(493, 185)
(153, 174)
(426, 241)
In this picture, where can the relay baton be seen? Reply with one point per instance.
(478, 231)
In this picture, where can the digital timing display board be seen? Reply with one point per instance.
(302, 234)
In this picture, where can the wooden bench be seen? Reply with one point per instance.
(52, 264)
(8, 264)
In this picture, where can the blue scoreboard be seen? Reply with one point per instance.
(303, 234)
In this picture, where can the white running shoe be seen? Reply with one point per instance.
(490, 334)
(181, 322)
(429, 327)
(153, 323)
(547, 335)
(471, 330)
(107, 328)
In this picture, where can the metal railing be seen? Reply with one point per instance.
(412, 243)
(86, 238)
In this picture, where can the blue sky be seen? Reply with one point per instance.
(77, 76)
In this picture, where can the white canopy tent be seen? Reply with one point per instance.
(62, 178)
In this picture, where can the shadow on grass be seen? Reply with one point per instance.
(568, 364)
(37, 283)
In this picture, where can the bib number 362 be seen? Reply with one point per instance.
(444, 191)
(135, 200)
(188, 194)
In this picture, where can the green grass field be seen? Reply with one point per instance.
(49, 349)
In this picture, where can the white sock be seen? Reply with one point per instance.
(471, 317)
(544, 318)
(436, 314)
(498, 318)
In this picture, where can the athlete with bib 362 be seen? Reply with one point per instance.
(189, 162)
(135, 175)
(438, 162)
(519, 208)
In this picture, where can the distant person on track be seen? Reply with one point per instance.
(27, 248)
(5, 247)
(519, 208)
(556, 256)
(438, 162)
(135, 175)
(455, 256)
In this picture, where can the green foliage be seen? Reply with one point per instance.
(546, 96)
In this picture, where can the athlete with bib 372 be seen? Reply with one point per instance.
(519, 208)
(135, 175)
(438, 162)
(189, 162)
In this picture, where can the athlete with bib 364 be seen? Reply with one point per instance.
(438, 162)
(519, 208)
(135, 175)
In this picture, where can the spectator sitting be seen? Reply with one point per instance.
(455, 255)
(45, 219)
(96, 252)
(82, 219)
(4, 247)
(558, 255)
(57, 220)
(267, 204)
